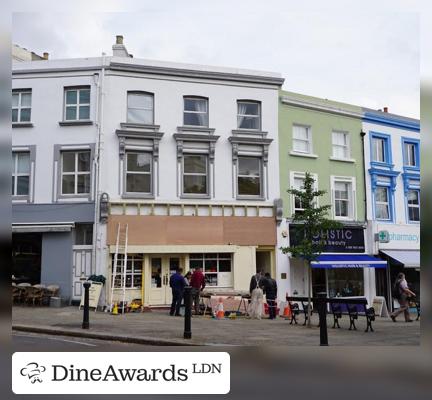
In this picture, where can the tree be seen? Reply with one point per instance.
(310, 223)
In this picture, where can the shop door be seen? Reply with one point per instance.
(81, 268)
(161, 268)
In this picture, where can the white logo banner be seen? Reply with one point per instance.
(121, 373)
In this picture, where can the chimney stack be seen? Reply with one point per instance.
(385, 109)
(119, 49)
(45, 56)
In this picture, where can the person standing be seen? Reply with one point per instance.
(402, 293)
(197, 281)
(270, 290)
(187, 278)
(256, 292)
(177, 284)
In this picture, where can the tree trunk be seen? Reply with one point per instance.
(309, 314)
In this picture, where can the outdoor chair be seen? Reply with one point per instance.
(17, 294)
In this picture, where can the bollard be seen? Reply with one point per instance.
(86, 323)
(322, 312)
(188, 312)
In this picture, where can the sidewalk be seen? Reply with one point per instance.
(158, 328)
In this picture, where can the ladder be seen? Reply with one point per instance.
(120, 249)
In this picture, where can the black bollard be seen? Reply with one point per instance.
(86, 323)
(188, 312)
(322, 312)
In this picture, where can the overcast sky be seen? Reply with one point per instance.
(369, 58)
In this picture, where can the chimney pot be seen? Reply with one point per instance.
(385, 109)
(119, 39)
(45, 56)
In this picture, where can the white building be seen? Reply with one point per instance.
(392, 161)
(185, 156)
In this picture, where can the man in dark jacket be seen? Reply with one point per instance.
(177, 284)
(256, 281)
(270, 290)
(197, 282)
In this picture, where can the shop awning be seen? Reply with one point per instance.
(409, 258)
(348, 261)
(42, 227)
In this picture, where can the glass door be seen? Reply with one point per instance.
(161, 269)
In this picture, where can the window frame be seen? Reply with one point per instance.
(78, 104)
(308, 141)
(126, 172)
(300, 175)
(75, 173)
(20, 92)
(258, 116)
(16, 174)
(140, 93)
(416, 145)
(412, 221)
(135, 270)
(218, 258)
(207, 113)
(261, 178)
(387, 153)
(207, 175)
(352, 197)
(346, 147)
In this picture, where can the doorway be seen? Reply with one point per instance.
(161, 269)
(26, 257)
(264, 261)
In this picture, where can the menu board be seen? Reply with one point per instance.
(94, 295)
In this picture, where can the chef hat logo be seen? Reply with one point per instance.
(32, 371)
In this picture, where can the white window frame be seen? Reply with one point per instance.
(20, 107)
(308, 141)
(346, 146)
(135, 270)
(206, 174)
(413, 206)
(410, 162)
(388, 203)
(144, 94)
(75, 173)
(77, 105)
(217, 258)
(260, 176)
(126, 172)
(257, 116)
(206, 113)
(352, 198)
(16, 174)
(300, 175)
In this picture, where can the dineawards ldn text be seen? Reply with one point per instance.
(113, 374)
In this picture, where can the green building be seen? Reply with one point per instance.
(324, 138)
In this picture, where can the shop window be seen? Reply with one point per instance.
(133, 271)
(84, 234)
(156, 272)
(217, 267)
(345, 282)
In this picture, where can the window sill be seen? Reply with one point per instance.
(242, 197)
(147, 196)
(22, 125)
(75, 123)
(195, 196)
(253, 132)
(348, 160)
(20, 199)
(195, 128)
(299, 154)
(132, 125)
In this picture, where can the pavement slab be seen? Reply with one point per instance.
(159, 328)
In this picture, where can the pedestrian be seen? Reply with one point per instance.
(270, 291)
(256, 292)
(402, 293)
(177, 284)
(187, 278)
(197, 281)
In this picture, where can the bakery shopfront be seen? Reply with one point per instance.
(342, 270)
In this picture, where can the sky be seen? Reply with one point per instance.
(363, 56)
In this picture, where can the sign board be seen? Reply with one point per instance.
(397, 237)
(383, 236)
(380, 306)
(343, 240)
(94, 295)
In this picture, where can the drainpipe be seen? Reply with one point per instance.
(99, 122)
(362, 135)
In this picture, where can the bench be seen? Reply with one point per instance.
(339, 306)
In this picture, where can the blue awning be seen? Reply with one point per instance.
(348, 261)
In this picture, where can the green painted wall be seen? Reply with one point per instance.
(322, 123)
